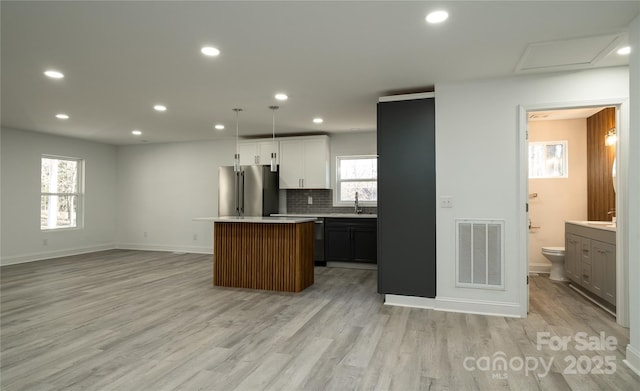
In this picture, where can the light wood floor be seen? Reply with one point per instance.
(132, 320)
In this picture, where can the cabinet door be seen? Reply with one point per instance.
(598, 262)
(291, 164)
(609, 289)
(337, 241)
(264, 152)
(364, 243)
(248, 155)
(603, 261)
(316, 165)
(572, 257)
(586, 265)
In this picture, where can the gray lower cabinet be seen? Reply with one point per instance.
(603, 263)
(572, 254)
(590, 260)
(585, 263)
(350, 240)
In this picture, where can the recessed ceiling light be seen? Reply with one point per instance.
(624, 50)
(281, 96)
(437, 16)
(62, 116)
(210, 51)
(318, 120)
(53, 74)
(136, 132)
(160, 108)
(219, 126)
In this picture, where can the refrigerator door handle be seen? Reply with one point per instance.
(237, 194)
(242, 196)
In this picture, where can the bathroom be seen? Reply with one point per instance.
(571, 156)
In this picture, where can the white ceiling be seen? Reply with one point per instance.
(334, 59)
(555, 115)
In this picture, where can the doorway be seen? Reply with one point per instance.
(533, 198)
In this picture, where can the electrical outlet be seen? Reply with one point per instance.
(446, 202)
(195, 236)
(45, 242)
(144, 234)
(310, 200)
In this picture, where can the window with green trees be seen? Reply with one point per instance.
(60, 192)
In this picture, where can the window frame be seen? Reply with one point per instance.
(338, 181)
(565, 158)
(79, 193)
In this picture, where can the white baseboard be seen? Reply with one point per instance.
(450, 304)
(633, 359)
(539, 268)
(39, 256)
(165, 247)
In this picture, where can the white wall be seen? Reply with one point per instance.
(559, 199)
(162, 187)
(477, 162)
(21, 237)
(633, 181)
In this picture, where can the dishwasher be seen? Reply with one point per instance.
(318, 242)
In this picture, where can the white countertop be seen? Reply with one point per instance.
(337, 215)
(605, 225)
(256, 219)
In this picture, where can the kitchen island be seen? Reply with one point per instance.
(270, 253)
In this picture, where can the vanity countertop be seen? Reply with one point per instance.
(605, 225)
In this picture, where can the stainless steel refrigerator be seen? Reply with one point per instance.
(253, 191)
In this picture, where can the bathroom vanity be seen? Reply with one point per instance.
(590, 258)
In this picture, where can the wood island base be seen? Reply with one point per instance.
(265, 256)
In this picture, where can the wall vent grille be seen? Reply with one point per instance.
(480, 254)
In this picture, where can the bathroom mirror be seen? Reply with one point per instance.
(613, 175)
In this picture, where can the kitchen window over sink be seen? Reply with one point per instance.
(356, 174)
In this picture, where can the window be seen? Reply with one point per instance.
(60, 192)
(548, 159)
(356, 174)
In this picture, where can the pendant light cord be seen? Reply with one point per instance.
(237, 113)
(273, 109)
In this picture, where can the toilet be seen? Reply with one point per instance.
(556, 256)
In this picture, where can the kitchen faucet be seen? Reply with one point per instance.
(357, 207)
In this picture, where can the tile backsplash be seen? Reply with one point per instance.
(297, 202)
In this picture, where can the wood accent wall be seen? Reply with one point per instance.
(600, 195)
(263, 256)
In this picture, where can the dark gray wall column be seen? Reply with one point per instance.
(407, 198)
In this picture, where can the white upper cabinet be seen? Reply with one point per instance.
(257, 152)
(264, 151)
(247, 153)
(304, 163)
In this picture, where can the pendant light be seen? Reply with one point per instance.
(236, 157)
(274, 158)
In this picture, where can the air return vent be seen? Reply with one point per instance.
(480, 254)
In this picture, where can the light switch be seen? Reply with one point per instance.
(446, 201)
